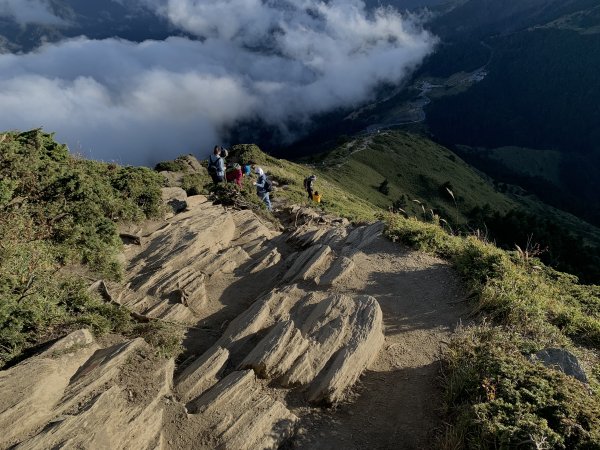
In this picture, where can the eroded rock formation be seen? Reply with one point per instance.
(290, 331)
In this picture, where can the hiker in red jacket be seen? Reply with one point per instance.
(235, 174)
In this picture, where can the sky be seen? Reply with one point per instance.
(280, 62)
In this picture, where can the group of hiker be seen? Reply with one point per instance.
(220, 172)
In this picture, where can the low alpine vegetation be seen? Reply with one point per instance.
(497, 397)
(58, 218)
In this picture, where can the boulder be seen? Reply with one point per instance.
(563, 360)
(78, 395)
(175, 197)
(321, 343)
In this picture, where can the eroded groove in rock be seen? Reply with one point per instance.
(308, 263)
(238, 414)
(271, 259)
(171, 275)
(100, 369)
(275, 354)
(202, 374)
(318, 341)
(78, 395)
(364, 344)
(341, 268)
(30, 390)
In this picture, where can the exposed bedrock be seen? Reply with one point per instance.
(318, 342)
(290, 327)
(79, 395)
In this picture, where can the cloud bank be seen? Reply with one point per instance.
(280, 62)
(29, 11)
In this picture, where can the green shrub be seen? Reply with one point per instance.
(248, 153)
(171, 166)
(500, 399)
(194, 183)
(140, 187)
(57, 210)
(165, 337)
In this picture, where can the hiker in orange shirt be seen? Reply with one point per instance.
(316, 197)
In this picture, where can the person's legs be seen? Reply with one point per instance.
(267, 201)
(310, 194)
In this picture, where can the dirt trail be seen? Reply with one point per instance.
(280, 324)
(397, 402)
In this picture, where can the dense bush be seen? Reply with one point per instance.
(501, 399)
(57, 211)
(194, 183)
(171, 166)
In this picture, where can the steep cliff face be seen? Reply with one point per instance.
(280, 324)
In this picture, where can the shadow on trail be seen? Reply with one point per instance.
(236, 298)
(416, 299)
(388, 410)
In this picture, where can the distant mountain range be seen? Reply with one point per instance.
(541, 91)
(509, 75)
(513, 87)
(483, 18)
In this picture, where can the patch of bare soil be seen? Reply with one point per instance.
(397, 402)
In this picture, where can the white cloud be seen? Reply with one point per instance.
(29, 11)
(279, 61)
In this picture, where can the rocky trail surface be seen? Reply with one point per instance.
(319, 336)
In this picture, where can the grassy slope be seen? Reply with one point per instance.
(290, 177)
(526, 161)
(415, 167)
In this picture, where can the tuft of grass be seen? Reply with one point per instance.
(166, 338)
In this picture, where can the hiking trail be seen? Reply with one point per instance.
(321, 336)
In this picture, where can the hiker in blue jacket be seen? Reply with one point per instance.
(216, 165)
(263, 187)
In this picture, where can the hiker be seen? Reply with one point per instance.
(235, 174)
(247, 169)
(224, 155)
(216, 166)
(309, 185)
(317, 197)
(263, 187)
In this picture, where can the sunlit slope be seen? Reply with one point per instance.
(416, 169)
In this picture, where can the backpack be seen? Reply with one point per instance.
(308, 183)
(212, 164)
(268, 185)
